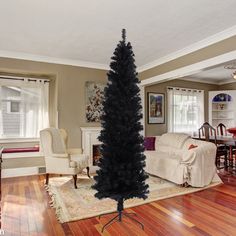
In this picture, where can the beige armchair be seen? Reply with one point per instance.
(59, 159)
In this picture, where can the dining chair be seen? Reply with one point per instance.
(208, 133)
(222, 131)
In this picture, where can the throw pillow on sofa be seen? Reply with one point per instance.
(149, 143)
(191, 146)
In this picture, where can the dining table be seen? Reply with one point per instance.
(229, 141)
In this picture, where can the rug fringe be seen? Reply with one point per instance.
(54, 204)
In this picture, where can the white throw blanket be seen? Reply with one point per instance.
(58, 145)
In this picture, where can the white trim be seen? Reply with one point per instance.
(16, 172)
(191, 69)
(209, 81)
(90, 138)
(20, 140)
(205, 81)
(191, 48)
(142, 96)
(227, 82)
(54, 60)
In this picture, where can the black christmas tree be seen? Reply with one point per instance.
(121, 175)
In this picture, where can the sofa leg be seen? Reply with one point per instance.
(75, 181)
(88, 171)
(47, 178)
(185, 185)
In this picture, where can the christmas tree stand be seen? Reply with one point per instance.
(120, 215)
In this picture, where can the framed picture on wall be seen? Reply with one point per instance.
(94, 99)
(156, 108)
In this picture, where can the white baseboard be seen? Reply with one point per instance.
(16, 172)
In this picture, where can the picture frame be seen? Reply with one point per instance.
(156, 108)
(94, 101)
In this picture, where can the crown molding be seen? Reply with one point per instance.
(208, 81)
(229, 81)
(191, 48)
(205, 81)
(191, 69)
(53, 60)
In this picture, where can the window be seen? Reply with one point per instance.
(23, 107)
(13, 107)
(185, 110)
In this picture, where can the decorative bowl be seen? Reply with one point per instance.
(232, 131)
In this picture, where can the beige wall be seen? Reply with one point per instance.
(68, 88)
(214, 50)
(158, 129)
(231, 86)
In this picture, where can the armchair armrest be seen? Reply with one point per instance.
(204, 153)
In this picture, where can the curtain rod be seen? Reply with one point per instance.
(22, 79)
(185, 89)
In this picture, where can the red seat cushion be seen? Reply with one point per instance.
(15, 150)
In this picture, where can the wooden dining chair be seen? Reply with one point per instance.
(221, 130)
(208, 133)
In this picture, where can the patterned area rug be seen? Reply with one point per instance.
(75, 204)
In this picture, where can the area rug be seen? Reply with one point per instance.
(74, 204)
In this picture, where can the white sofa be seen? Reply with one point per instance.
(172, 160)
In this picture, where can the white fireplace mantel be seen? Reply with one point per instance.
(90, 138)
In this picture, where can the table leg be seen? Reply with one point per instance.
(231, 156)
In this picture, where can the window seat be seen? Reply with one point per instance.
(17, 150)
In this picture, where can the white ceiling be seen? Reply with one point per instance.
(215, 75)
(88, 30)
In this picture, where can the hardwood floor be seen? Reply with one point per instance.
(26, 211)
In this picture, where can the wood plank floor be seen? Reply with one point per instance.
(26, 211)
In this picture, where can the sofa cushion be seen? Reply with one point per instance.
(149, 143)
(175, 140)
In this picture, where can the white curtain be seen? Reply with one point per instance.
(185, 110)
(33, 115)
(34, 108)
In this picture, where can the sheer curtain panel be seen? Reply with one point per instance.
(24, 105)
(185, 110)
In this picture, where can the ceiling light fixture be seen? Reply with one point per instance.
(231, 67)
(234, 74)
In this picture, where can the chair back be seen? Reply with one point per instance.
(64, 135)
(221, 129)
(206, 131)
(52, 142)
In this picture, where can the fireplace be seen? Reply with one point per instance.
(90, 143)
(96, 154)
